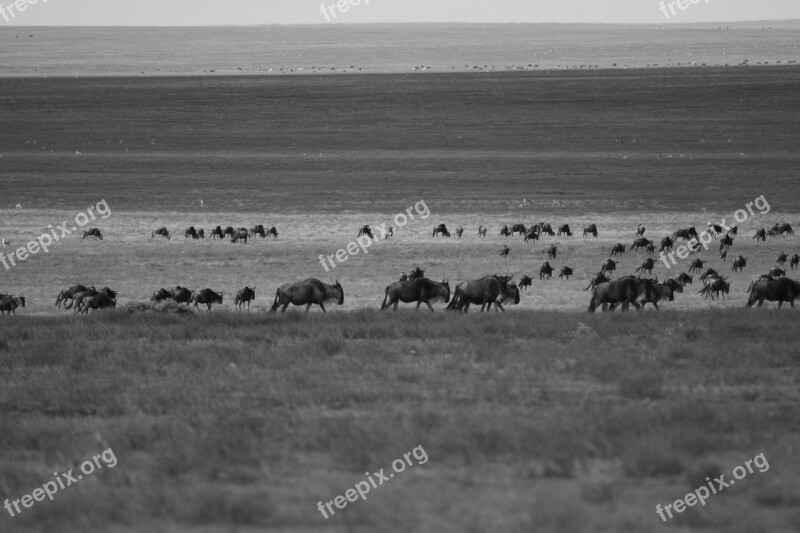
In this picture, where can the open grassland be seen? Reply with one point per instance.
(538, 421)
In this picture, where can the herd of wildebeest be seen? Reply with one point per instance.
(489, 290)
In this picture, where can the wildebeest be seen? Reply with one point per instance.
(640, 243)
(696, 266)
(10, 304)
(421, 290)
(504, 251)
(598, 278)
(390, 233)
(532, 235)
(229, 232)
(81, 297)
(161, 232)
(160, 295)
(565, 272)
(484, 292)
(739, 263)
(441, 228)
(207, 297)
(685, 234)
(661, 291)
(618, 249)
(93, 232)
(794, 261)
(365, 230)
(666, 244)
(623, 291)
(714, 229)
(709, 273)
(240, 235)
(518, 228)
(782, 229)
(259, 230)
(640, 230)
(504, 231)
(609, 265)
(564, 228)
(482, 231)
(525, 282)
(650, 249)
(244, 296)
(98, 301)
(217, 233)
(182, 295)
(761, 235)
(723, 254)
(545, 229)
(590, 229)
(511, 294)
(733, 231)
(779, 290)
(726, 242)
(781, 259)
(776, 272)
(459, 232)
(272, 232)
(545, 270)
(201, 233)
(68, 294)
(552, 251)
(714, 287)
(416, 273)
(190, 232)
(647, 266)
(684, 278)
(309, 292)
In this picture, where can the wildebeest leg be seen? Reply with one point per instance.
(322, 306)
(285, 306)
(654, 305)
(498, 306)
(308, 307)
(428, 304)
(780, 302)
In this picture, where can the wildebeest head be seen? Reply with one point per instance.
(445, 290)
(340, 290)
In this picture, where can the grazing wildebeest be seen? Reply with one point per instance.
(229, 232)
(696, 266)
(240, 235)
(217, 233)
(504, 231)
(309, 292)
(779, 290)
(776, 272)
(525, 282)
(709, 273)
(723, 254)
(259, 230)
(666, 243)
(532, 235)
(545, 271)
(714, 287)
(685, 234)
(482, 231)
(794, 261)
(201, 233)
(9, 305)
(761, 235)
(518, 228)
(640, 230)
(190, 232)
(207, 297)
(182, 295)
(564, 228)
(484, 292)
(597, 280)
(366, 230)
(618, 249)
(622, 291)
(552, 251)
(726, 242)
(420, 290)
(782, 229)
(609, 265)
(441, 228)
(93, 232)
(69, 294)
(545, 228)
(565, 272)
(160, 295)
(739, 263)
(272, 232)
(504, 251)
(459, 232)
(161, 232)
(640, 243)
(244, 296)
(590, 229)
(98, 301)
(781, 259)
(647, 266)
(685, 278)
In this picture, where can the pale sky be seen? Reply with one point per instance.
(256, 12)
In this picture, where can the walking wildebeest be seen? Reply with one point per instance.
(98, 301)
(441, 228)
(564, 228)
(182, 295)
(609, 265)
(525, 282)
(244, 296)
(726, 242)
(655, 292)
(640, 243)
(640, 230)
(240, 235)
(217, 233)
(761, 235)
(161, 232)
(207, 297)
(482, 231)
(545, 270)
(504, 251)
(160, 295)
(459, 232)
(420, 290)
(309, 292)
(617, 250)
(504, 232)
(781, 259)
(684, 278)
(366, 230)
(81, 297)
(696, 266)
(739, 263)
(714, 287)
(565, 272)
(723, 254)
(622, 291)
(647, 266)
(229, 232)
(776, 272)
(484, 292)
(779, 290)
(794, 261)
(709, 273)
(597, 280)
(666, 244)
(685, 234)
(552, 251)
(590, 229)
(93, 232)
(68, 294)
(10, 304)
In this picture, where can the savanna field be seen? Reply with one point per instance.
(543, 418)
